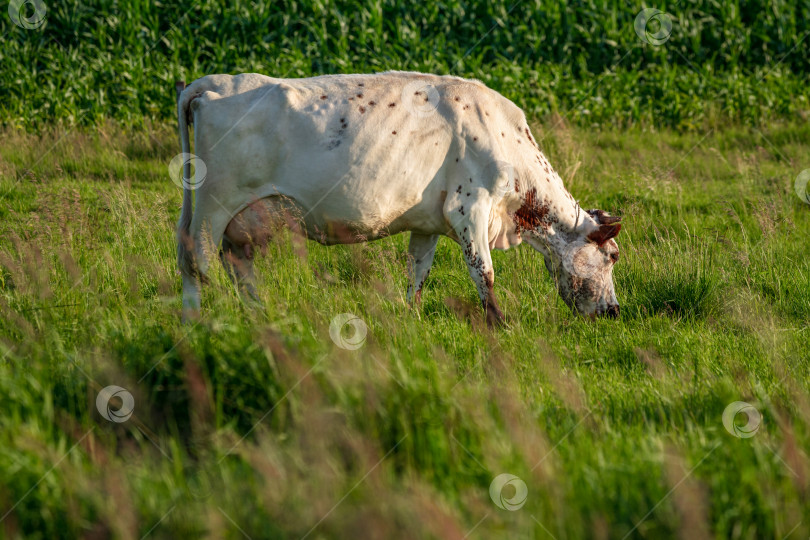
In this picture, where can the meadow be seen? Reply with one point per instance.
(280, 422)
(253, 421)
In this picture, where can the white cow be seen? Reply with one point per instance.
(360, 157)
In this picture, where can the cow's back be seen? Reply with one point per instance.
(370, 151)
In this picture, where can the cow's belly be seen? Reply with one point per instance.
(337, 219)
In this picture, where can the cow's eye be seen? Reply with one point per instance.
(614, 257)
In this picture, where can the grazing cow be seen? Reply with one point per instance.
(360, 157)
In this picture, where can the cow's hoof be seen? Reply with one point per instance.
(495, 320)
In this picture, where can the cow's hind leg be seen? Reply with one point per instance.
(421, 249)
(194, 246)
(238, 262)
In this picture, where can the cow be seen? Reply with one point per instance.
(359, 157)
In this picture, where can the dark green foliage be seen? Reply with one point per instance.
(723, 61)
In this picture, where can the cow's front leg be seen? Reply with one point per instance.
(421, 249)
(470, 221)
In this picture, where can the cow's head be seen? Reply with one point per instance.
(582, 265)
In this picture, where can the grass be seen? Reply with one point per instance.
(252, 422)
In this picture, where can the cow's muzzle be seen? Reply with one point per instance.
(612, 311)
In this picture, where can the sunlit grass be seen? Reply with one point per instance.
(255, 419)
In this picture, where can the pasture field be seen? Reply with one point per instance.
(253, 423)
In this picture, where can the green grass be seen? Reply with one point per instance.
(254, 422)
(723, 61)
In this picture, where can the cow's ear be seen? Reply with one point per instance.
(605, 233)
(603, 218)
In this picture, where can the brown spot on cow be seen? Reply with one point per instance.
(532, 213)
(392, 104)
(372, 103)
(360, 84)
(323, 97)
(393, 133)
(360, 96)
(362, 110)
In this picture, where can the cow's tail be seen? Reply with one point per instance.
(185, 257)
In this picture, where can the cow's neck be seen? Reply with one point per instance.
(549, 217)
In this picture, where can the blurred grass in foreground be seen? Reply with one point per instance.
(254, 421)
